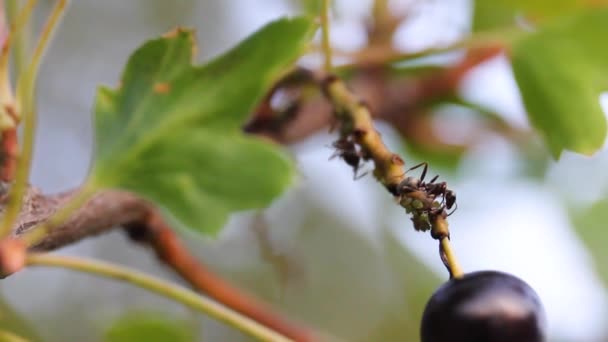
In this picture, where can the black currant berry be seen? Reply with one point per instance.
(485, 306)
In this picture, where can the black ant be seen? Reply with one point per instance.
(347, 150)
(411, 184)
(440, 189)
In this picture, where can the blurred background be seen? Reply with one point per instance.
(334, 253)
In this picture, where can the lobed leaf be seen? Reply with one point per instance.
(172, 131)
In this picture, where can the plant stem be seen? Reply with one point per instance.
(325, 35)
(32, 237)
(357, 124)
(10, 147)
(450, 258)
(161, 287)
(21, 31)
(27, 108)
(9, 117)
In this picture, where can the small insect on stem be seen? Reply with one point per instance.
(347, 150)
(448, 197)
(411, 184)
(431, 188)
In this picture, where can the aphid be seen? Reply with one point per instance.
(421, 221)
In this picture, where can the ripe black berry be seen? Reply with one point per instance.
(485, 306)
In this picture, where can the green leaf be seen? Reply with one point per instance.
(148, 327)
(561, 71)
(493, 14)
(172, 131)
(591, 227)
(14, 322)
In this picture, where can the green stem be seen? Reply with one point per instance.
(17, 21)
(325, 35)
(26, 106)
(22, 33)
(450, 257)
(161, 287)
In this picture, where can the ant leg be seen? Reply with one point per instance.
(455, 207)
(442, 201)
(357, 177)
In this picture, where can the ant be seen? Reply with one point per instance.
(440, 189)
(347, 150)
(411, 184)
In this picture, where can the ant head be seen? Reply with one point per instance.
(450, 198)
(343, 143)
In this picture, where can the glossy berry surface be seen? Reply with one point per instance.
(485, 306)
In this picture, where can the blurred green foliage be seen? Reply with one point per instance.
(561, 71)
(13, 322)
(493, 14)
(149, 327)
(590, 225)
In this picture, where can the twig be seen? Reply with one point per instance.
(450, 258)
(109, 209)
(392, 99)
(325, 38)
(22, 38)
(102, 213)
(162, 288)
(155, 232)
(356, 124)
(382, 26)
(10, 117)
(27, 108)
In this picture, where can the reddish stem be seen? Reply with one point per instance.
(154, 231)
(9, 151)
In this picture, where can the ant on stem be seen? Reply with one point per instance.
(347, 150)
(411, 184)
